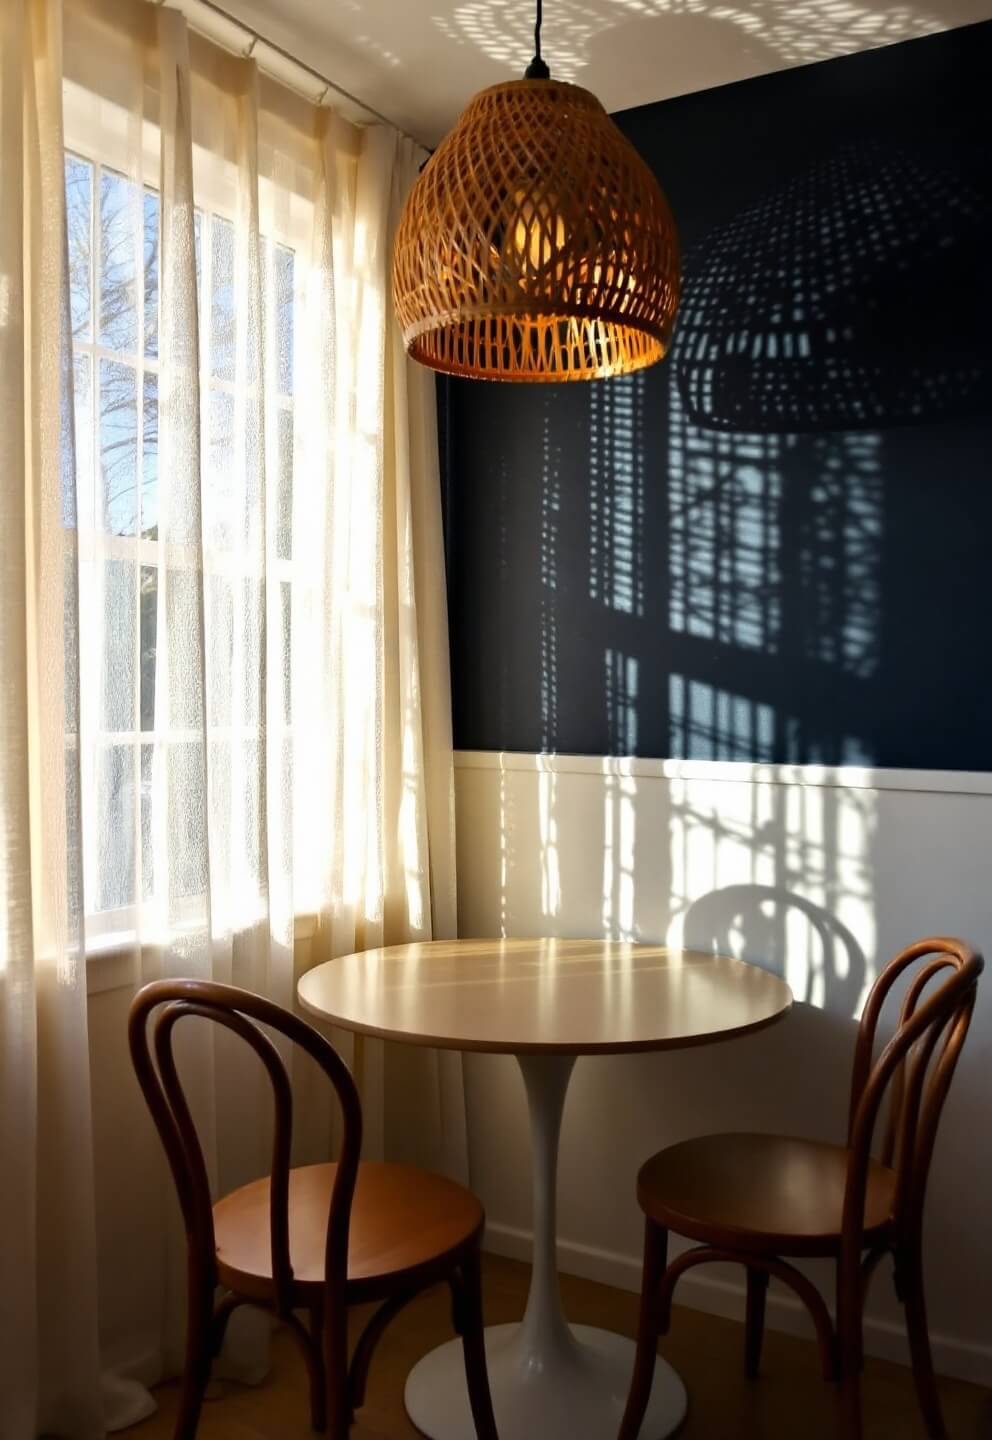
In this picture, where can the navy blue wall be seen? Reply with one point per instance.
(775, 544)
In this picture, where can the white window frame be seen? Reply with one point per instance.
(97, 132)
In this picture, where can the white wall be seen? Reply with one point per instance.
(818, 875)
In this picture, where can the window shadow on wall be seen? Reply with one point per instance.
(751, 562)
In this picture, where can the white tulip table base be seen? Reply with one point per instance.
(549, 1381)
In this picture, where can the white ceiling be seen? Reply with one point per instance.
(418, 61)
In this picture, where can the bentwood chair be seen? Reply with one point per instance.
(756, 1199)
(315, 1239)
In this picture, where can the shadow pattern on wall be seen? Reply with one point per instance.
(760, 924)
(768, 548)
(855, 295)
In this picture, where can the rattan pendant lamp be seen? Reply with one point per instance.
(536, 243)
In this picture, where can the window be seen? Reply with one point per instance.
(113, 229)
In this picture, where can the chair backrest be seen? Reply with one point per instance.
(915, 1069)
(243, 1013)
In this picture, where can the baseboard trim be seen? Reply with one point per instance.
(961, 1359)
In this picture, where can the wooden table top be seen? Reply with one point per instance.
(571, 997)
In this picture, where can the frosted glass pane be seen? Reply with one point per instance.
(115, 832)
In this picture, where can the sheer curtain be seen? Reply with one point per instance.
(48, 1317)
(224, 686)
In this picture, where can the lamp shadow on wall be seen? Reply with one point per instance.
(835, 302)
(851, 302)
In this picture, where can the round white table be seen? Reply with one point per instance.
(546, 1002)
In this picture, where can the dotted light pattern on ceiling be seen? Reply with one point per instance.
(536, 244)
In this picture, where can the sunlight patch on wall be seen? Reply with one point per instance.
(725, 501)
(547, 811)
(774, 549)
(616, 494)
(548, 780)
(621, 702)
(619, 849)
(711, 724)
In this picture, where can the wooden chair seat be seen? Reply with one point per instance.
(755, 1200)
(309, 1243)
(770, 1194)
(402, 1221)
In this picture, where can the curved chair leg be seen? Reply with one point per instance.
(468, 1307)
(314, 1352)
(199, 1353)
(754, 1330)
(774, 1268)
(311, 1343)
(651, 1324)
(335, 1353)
(919, 1346)
(361, 1357)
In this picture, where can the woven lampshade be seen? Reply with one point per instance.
(536, 244)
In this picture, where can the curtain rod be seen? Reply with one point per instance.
(217, 24)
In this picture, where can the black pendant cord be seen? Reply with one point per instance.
(537, 70)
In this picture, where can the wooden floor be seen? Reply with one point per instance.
(789, 1402)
